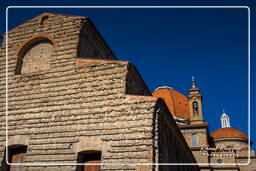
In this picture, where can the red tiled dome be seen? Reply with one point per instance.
(228, 133)
(175, 101)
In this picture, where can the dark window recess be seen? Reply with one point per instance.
(16, 155)
(89, 158)
(195, 108)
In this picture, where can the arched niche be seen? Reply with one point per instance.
(35, 55)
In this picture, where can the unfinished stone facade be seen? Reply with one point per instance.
(69, 97)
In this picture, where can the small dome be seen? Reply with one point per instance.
(176, 102)
(229, 133)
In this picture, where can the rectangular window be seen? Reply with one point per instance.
(17, 155)
(194, 140)
(89, 157)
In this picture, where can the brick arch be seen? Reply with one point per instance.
(32, 40)
(26, 47)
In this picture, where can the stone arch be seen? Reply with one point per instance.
(34, 54)
(90, 144)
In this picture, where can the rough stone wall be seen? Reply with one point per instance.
(62, 30)
(201, 136)
(76, 99)
(247, 167)
(201, 139)
(78, 104)
(59, 108)
(90, 44)
(135, 84)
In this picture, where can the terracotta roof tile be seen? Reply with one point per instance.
(228, 133)
(175, 101)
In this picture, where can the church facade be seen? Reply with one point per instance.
(67, 100)
(71, 101)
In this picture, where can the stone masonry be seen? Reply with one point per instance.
(83, 100)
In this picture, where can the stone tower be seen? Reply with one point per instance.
(195, 104)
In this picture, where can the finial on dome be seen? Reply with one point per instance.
(225, 122)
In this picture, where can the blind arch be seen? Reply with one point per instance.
(35, 55)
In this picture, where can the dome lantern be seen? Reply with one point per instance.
(225, 122)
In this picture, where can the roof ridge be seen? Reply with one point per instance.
(45, 13)
(40, 15)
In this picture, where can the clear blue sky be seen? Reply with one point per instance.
(169, 46)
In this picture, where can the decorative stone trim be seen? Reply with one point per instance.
(143, 168)
(34, 39)
(90, 144)
(87, 62)
(138, 98)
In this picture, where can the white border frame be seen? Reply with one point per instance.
(121, 164)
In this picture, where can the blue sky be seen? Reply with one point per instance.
(169, 46)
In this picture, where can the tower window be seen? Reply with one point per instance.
(194, 140)
(195, 108)
(89, 157)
